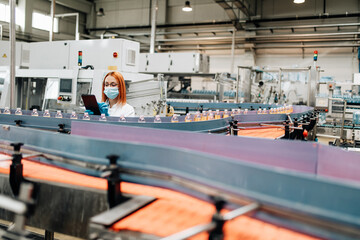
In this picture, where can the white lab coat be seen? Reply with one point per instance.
(117, 110)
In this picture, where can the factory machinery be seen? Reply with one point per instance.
(339, 104)
(205, 120)
(76, 68)
(109, 181)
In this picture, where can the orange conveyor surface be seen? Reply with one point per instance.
(172, 212)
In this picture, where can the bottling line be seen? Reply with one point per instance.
(105, 181)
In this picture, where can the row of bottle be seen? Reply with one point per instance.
(279, 110)
(204, 116)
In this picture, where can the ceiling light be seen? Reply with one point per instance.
(187, 7)
(299, 1)
(100, 13)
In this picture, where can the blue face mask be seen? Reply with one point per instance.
(111, 92)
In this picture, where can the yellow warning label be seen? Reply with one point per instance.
(112, 68)
(4, 56)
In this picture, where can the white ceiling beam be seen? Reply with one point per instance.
(78, 5)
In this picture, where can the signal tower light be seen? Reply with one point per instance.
(315, 55)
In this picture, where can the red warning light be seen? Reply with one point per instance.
(80, 53)
(315, 52)
(115, 54)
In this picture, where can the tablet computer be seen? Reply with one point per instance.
(91, 103)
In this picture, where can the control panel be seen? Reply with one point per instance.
(65, 90)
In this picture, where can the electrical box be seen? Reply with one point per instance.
(105, 54)
(22, 51)
(174, 63)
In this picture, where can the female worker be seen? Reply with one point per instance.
(114, 96)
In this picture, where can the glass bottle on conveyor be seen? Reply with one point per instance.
(175, 118)
(211, 115)
(86, 116)
(197, 117)
(157, 119)
(35, 113)
(204, 116)
(102, 117)
(46, 113)
(233, 112)
(141, 119)
(188, 117)
(122, 118)
(226, 113)
(58, 114)
(217, 114)
(6, 110)
(18, 111)
(246, 111)
(73, 115)
(259, 111)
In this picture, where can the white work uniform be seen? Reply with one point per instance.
(118, 110)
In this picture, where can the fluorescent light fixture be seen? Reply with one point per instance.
(187, 7)
(299, 1)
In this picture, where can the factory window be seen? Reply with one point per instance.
(43, 22)
(5, 14)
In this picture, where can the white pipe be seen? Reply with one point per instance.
(233, 51)
(1, 31)
(153, 25)
(52, 13)
(12, 53)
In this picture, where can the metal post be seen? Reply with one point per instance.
(52, 12)
(233, 51)
(279, 96)
(12, 53)
(1, 31)
(153, 25)
(237, 86)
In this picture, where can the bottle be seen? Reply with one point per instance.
(233, 112)
(86, 116)
(210, 115)
(217, 114)
(259, 111)
(226, 113)
(141, 119)
(58, 114)
(102, 117)
(175, 119)
(46, 113)
(204, 116)
(197, 117)
(264, 111)
(188, 117)
(238, 111)
(122, 118)
(73, 115)
(246, 111)
(34, 113)
(157, 119)
(6, 110)
(18, 111)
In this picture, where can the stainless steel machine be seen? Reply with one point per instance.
(59, 72)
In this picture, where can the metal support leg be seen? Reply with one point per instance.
(49, 235)
(16, 169)
(115, 196)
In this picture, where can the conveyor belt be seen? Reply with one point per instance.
(170, 213)
(311, 194)
(219, 125)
